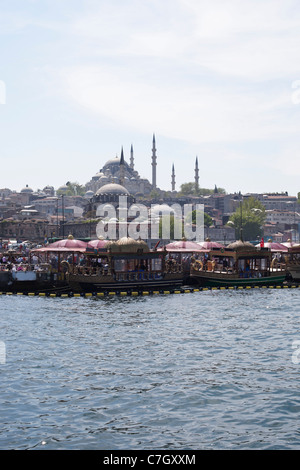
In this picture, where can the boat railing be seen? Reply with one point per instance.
(138, 276)
(92, 271)
(171, 266)
(213, 267)
(253, 273)
(21, 267)
(123, 276)
(278, 267)
(174, 268)
(200, 266)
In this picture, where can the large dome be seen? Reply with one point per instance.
(112, 188)
(113, 161)
(27, 189)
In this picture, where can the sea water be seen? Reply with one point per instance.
(214, 369)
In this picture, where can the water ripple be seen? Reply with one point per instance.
(209, 370)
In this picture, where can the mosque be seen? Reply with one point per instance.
(117, 172)
(116, 178)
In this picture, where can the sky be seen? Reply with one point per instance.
(218, 80)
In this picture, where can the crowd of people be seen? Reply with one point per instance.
(18, 262)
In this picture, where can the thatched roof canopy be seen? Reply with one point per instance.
(240, 245)
(127, 245)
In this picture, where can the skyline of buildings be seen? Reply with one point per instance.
(118, 170)
(45, 213)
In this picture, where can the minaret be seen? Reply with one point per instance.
(196, 175)
(173, 178)
(122, 168)
(131, 158)
(154, 164)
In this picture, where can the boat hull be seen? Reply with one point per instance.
(30, 281)
(294, 272)
(215, 280)
(95, 283)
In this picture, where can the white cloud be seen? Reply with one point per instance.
(287, 161)
(198, 113)
(13, 22)
(250, 39)
(210, 73)
(196, 70)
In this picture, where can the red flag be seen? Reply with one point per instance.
(262, 243)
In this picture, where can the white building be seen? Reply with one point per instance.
(282, 217)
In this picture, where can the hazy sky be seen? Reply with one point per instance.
(215, 79)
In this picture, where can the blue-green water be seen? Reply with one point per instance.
(206, 370)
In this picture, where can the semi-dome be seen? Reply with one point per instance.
(64, 187)
(97, 176)
(112, 188)
(89, 193)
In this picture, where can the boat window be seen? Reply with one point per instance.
(120, 265)
(131, 265)
(156, 264)
(264, 263)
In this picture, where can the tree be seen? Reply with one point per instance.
(187, 189)
(192, 217)
(248, 219)
(74, 189)
(174, 224)
(155, 194)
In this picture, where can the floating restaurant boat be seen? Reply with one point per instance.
(238, 264)
(275, 247)
(16, 273)
(292, 259)
(125, 265)
(288, 254)
(210, 245)
(43, 271)
(182, 252)
(129, 265)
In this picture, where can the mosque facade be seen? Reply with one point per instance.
(118, 171)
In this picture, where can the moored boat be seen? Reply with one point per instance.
(293, 262)
(128, 265)
(239, 264)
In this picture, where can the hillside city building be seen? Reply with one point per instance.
(47, 213)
